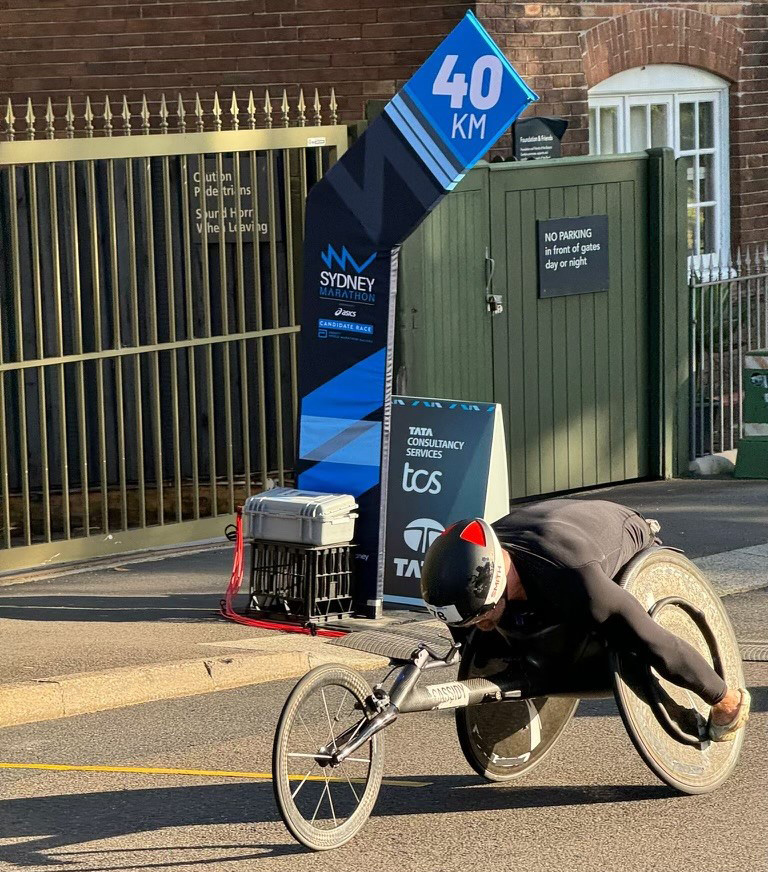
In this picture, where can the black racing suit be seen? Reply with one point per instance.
(567, 553)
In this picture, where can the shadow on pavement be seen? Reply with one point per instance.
(49, 823)
(701, 516)
(172, 607)
(263, 851)
(759, 694)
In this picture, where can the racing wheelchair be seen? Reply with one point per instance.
(511, 702)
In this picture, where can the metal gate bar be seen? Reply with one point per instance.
(148, 335)
(729, 317)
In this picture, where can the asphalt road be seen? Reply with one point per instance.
(700, 515)
(592, 805)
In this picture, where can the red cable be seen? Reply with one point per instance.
(235, 581)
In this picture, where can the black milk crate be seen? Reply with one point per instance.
(305, 583)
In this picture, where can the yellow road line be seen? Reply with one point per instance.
(209, 773)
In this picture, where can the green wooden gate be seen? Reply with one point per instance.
(590, 383)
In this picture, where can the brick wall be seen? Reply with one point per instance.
(564, 48)
(366, 49)
(542, 41)
(749, 130)
(72, 47)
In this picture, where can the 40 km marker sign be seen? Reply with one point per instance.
(468, 91)
(450, 113)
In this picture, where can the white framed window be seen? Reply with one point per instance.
(683, 108)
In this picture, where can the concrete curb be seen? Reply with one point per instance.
(88, 692)
(738, 571)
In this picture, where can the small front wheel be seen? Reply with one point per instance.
(324, 806)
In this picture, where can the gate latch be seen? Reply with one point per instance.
(495, 304)
(492, 301)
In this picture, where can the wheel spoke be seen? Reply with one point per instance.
(330, 802)
(336, 718)
(309, 756)
(303, 782)
(357, 729)
(317, 807)
(328, 757)
(328, 715)
(312, 739)
(352, 788)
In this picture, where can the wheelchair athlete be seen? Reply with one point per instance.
(562, 556)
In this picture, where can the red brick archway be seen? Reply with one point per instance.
(663, 35)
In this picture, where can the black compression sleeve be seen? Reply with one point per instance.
(588, 595)
(626, 626)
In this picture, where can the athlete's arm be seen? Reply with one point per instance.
(627, 627)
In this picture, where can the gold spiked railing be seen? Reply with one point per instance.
(148, 334)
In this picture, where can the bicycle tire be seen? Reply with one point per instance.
(312, 837)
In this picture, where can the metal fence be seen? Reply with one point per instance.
(729, 317)
(148, 318)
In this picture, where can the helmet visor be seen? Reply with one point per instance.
(470, 622)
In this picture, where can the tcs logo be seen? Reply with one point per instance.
(421, 481)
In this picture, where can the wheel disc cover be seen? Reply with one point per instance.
(514, 735)
(507, 739)
(651, 714)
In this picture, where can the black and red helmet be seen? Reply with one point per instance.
(463, 576)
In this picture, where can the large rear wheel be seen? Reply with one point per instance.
(667, 724)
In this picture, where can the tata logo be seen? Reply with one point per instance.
(418, 535)
(421, 481)
(345, 313)
(421, 533)
(344, 259)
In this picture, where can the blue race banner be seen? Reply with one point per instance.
(447, 116)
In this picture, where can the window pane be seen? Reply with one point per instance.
(706, 125)
(692, 232)
(593, 149)
(690, 188)
(638, 128)
(659, 134)
(687, 127)
(608, 132)
(708, 230)
(706, 177)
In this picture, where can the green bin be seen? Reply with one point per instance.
(752, 459)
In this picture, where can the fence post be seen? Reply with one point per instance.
(683, 404)
(669, 318)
